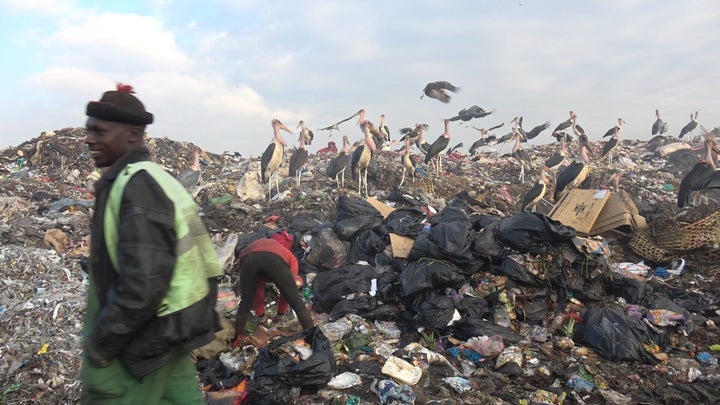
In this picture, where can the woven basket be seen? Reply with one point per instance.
(644, 245)
(680, 236)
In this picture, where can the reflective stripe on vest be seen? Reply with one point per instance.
(195, 252)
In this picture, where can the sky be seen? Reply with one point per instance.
(216, 73)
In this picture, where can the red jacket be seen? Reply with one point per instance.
(272, 246)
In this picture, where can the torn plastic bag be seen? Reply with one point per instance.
(358, 305)
(475, 307)
(430, 274)
(326, 250)
(275, 371)
(436, 312)
(485, 244)
(348, 228)
(304, 222)
(468, 327)
(518, 273)
(533, 233)
(405, 222)
(352, 207)
(614, 335)
(389, 289)
(634, 291)
(329, 287)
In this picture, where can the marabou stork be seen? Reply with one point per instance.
(421, 142)
(519, 153)
(190, 177)
(611, 144)
(618, 128)
(564, 125)
(690, 125)
(407, 163)
(466, 114)
(536, 130)
(659, 127)
(702, 176)
(438, 91)
(383, 129)
(537, 192)
(377, 136)
(306, 134)
(562, 135)
(575, 173)
(577, 129)
(484, 140)
(337, 165)
(298, 160)
(273, 156)
(335, 126)
(413, 133)
(556, 160)
(361, 158)
(437, 147)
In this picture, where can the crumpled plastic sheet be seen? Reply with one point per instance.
(392, 393)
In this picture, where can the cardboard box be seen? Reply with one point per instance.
(401, 245)
(593, 212)
(382, 208)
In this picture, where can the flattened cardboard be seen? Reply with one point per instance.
(383, 209)
(401, 245)
(592, 212)
(580, 209)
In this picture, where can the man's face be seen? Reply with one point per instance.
(108, 141)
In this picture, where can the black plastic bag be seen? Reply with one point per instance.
(329, 287)
(352, 207)
(423, 247)
(634, 291)
(469, 327)
(358, 305)
(304, 222)
(518, 273)
(485, 244)
(436, 312)
(614, 335)
(326, 250)
(275, 372)
(430, 274)
(348, 228)
(533, 233)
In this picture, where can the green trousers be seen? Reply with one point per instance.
(174, 383)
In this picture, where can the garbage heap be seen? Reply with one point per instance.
(468, 305)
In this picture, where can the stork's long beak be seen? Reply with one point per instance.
(284, 128)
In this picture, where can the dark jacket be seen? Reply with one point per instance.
(127, 326)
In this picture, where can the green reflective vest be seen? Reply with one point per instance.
(196, 257)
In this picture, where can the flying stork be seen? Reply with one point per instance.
(335, 126)
(438, 91)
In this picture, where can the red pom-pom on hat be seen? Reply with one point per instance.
(125, 88)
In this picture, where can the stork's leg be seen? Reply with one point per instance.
(365, 181)
(360, 181)
(277, 183)
(343, 178)
(403, 178)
